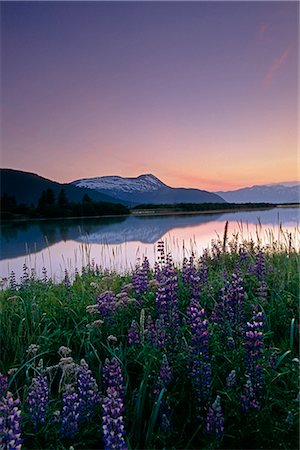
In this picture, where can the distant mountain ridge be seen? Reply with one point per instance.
(271, 193)
(27, 188)
(146, 188)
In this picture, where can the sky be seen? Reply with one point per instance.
(200, 94)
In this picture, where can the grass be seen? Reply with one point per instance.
(52, 315)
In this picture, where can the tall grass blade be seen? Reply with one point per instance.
(282, 358)
(292, 333)
(153, 418)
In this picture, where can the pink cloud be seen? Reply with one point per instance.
(277, 63)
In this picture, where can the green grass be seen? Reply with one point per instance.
(53, 315)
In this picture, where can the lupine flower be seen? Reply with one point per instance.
(112, 421)
(106, 304)
(254, 352)
(10, 418)
(231, 379)
(112, 376)
(272, 359)
(160, 338)
(44, 275)
(215, 419)
(149, 332)
(165, 376)
(88, 392)
(134, 334)
(12, 281)
(140, 277)
(248, 398)
(113, 406)
(199, 361)
(38, 399)
(289, 419)
(70, 413)
(3, 385)
(67, 281)
(25, 277)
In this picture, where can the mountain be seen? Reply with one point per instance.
(27, 188)
(273, 193)
(146, 189)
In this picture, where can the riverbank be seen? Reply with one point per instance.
(154, 212)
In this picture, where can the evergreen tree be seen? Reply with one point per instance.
(62, 199)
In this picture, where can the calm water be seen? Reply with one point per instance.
(117, 243)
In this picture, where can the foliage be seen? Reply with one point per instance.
(233, 311)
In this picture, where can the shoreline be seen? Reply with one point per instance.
(151, 213)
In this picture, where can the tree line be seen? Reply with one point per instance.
(50, 207)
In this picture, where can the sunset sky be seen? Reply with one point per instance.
(201, 94)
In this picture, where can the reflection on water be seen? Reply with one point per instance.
(116, 242)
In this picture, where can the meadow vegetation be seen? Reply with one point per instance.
(201, 356)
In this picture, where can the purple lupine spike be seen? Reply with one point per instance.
(140, 280)
(254, 352)
(215, 419)
(134, 337)
(10, 419)
(272, 359)
(70, 413)
(67, 281)
(106, 304)
(248, 398)
(112, 376)
(160, 330)
(88, 392)
(38, 400)
(199, 360)
(44, 275)
(231, 380)
(113, 421)
(146, 265)
(149, 332)
(12, 281)
(3, 385)
(25, 277)
(165, 376)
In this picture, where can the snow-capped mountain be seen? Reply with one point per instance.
(272, 193)
(146, 189)
(143, 183)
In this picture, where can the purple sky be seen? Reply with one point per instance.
(201, 94)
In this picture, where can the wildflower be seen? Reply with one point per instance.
(64, 351)
(248, 398)
(88, 392)
(112, 376)
(165, 376)
(92, 309)
(10, 418)
(231, 379)
(97, 323)
(106, 304)
(199, 361)
(113, 406)
(112, 421)
(38, 399)
(12, 281)
(254, 352)
(215, 420)
(3, 385)
(70, 413)
(67, 281)
(289, 419)
(149, 332)
(112, 338)
(134, 334)
(32, 349)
